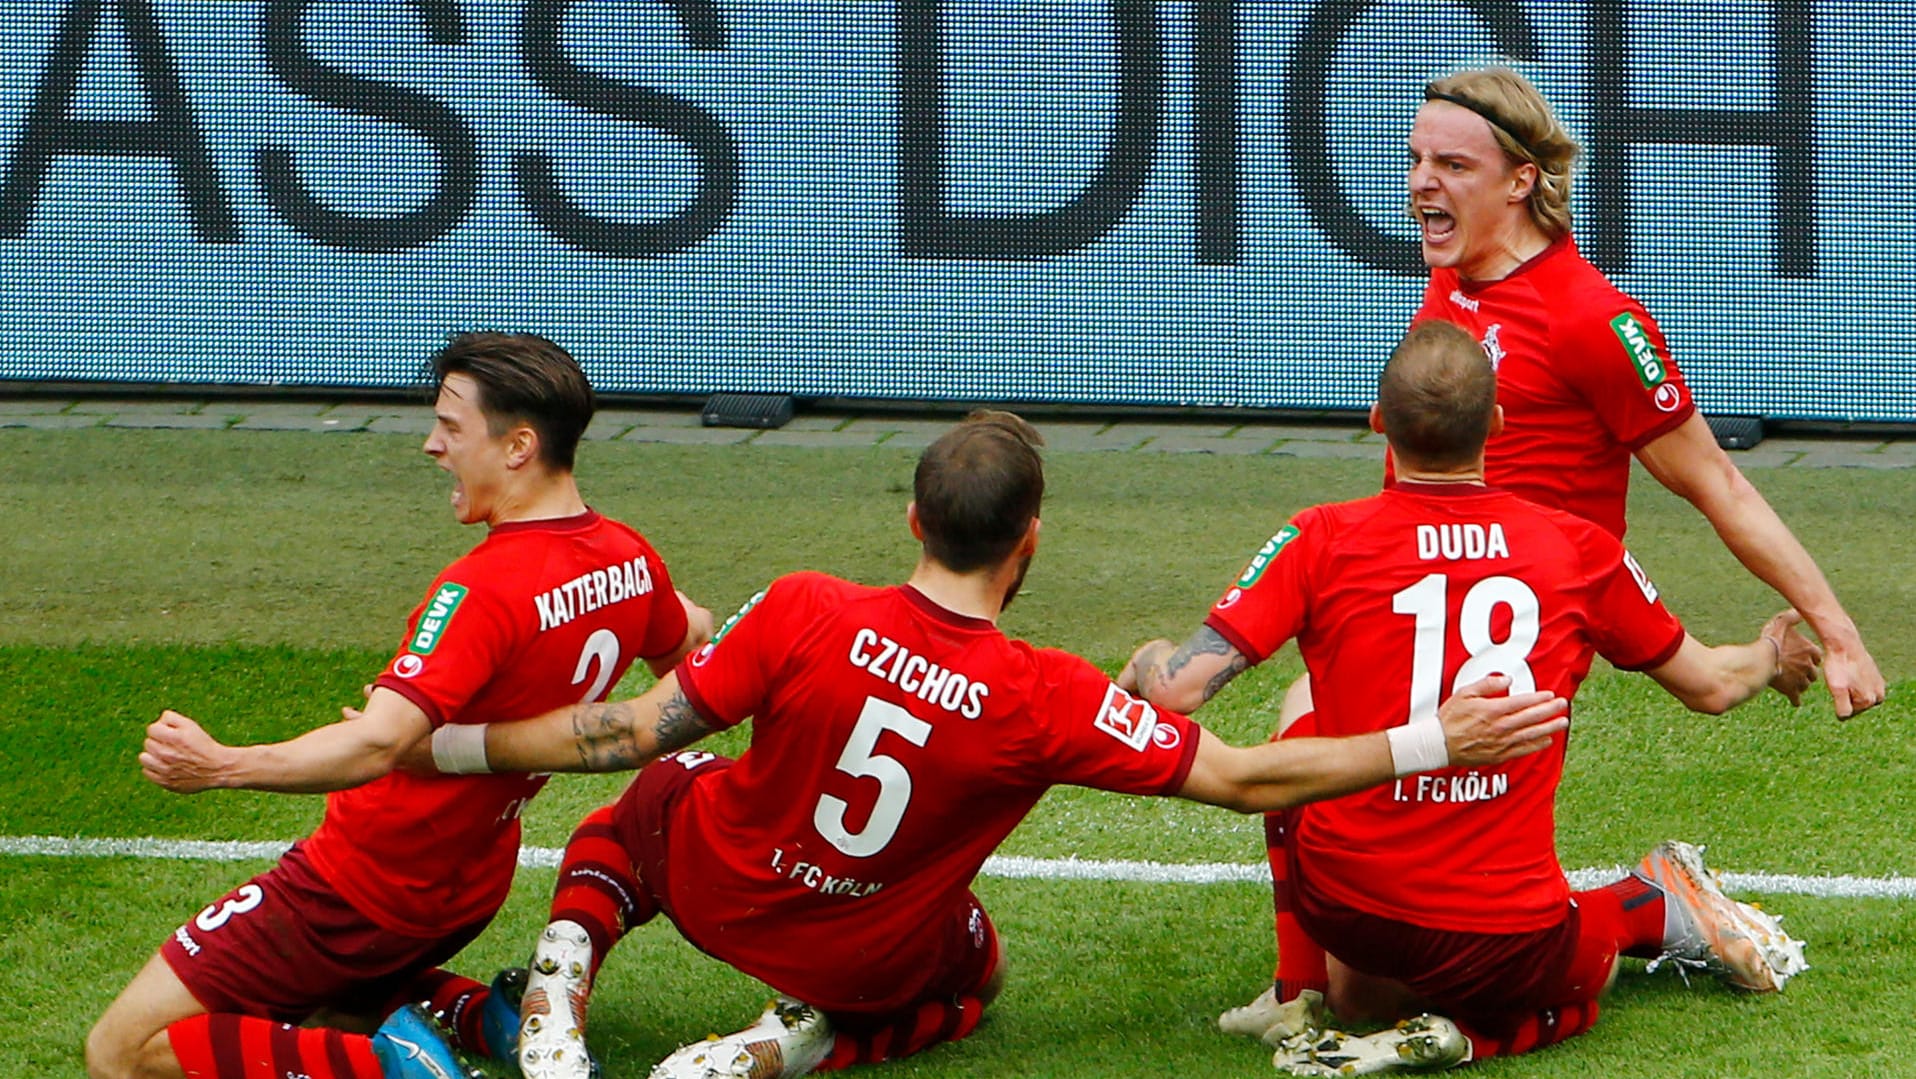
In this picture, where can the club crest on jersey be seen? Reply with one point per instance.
(436, 617)
(1636, 341)
(1265, 555)
(1494, 348)
(1127, 718)
(1643, 579)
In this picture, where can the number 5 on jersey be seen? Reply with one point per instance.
(861, 759)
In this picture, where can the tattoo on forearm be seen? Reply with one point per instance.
(679, 725)
(1207, 642)
(603, 733)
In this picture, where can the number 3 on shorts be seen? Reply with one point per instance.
(244, 899)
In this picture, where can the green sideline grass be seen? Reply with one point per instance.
(256, 580)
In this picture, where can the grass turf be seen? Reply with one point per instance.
(256, 580)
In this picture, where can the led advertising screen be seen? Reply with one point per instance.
(1114, 202)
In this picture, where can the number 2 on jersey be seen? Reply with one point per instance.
(602, 646)
(894, 782)
(1428, 601)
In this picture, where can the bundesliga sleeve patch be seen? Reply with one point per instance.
(436, 617)
(1644, 584)
(1127, 718)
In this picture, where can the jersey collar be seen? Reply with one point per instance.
(943, 614)
(573, 523)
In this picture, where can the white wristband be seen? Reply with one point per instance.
(1415, 747)
(460, 749)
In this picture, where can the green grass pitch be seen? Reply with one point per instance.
(256, 580)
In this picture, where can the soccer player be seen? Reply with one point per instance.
(1444, 890)
(898, 736)
(1583, 374)
(405, 870)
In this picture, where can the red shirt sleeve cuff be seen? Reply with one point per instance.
(1670, 423)
(414, 694)
(1663, 655)
(1192, 732)
(689, 686)
(1235, 639)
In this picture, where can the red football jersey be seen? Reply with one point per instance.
(1395, 601)
(1583, 375)
(541, 614)
(894, 745)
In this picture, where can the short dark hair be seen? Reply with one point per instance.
(1436, 396)
(978, 488)
(523, 378)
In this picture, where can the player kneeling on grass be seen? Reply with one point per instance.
(898, 736)
(405, 869)
(1443, 890)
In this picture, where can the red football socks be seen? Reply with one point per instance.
(893, 1037)
(598, 887)
(247, 1047)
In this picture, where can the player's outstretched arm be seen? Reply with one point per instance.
(1717, 679)
(1478, 725)
(605, 737)
(1182, 677)
(180, 756)
(1689, 462)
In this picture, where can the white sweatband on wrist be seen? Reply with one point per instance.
(1414, 747)
(459, 749)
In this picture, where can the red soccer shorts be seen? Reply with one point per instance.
(285, 945)
(1488, 980)
(963, 944)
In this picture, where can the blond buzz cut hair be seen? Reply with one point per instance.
(1436, 397)
(1526, 129)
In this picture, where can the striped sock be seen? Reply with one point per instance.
(248, 1047)
(901, 1035)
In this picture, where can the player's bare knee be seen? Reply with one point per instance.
(110, 1054)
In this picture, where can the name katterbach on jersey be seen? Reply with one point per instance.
(883, 658)
(590, 591)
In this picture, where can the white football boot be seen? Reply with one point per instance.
(552, 1012)
(1422, 1043)
(1703, 929)
(789, 1040)
(1271, 1022)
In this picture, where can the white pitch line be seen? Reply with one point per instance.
(1014, 868)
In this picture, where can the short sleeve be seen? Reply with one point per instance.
(455, 643)
(730, 678)
(1097, 735)
(1621, 365)
(665, 626)
(1266, 605)
(1629, 624)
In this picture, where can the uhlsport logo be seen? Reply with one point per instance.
(1636, 341)
(1127, 718)
(1265, 555)
(1669, 398)
(437, 616)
